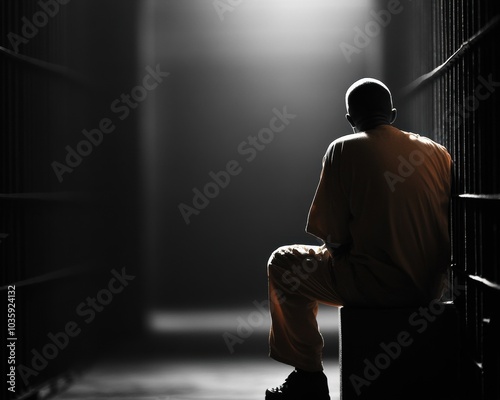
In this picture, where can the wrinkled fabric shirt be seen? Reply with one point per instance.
(385, 193)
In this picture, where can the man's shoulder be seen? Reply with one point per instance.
(428, 142)
(339, 142)
(355, 142)
(351, 137)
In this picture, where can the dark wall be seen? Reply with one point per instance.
(63, 236)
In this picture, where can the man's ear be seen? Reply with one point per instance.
(394, 114)
(351, 121)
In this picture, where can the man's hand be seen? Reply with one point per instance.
(296, 257)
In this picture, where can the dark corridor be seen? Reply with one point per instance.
(138, 209)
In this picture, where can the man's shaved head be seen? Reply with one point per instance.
(369, 104)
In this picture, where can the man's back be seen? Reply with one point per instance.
(386, 193)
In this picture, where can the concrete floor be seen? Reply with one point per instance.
(184, 357)
(186, 380)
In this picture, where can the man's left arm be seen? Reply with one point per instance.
(329, 214)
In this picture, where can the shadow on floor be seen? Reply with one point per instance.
(191, 366)
(185, 380)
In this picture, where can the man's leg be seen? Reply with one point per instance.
(299, 277)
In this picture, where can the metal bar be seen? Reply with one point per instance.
(452, 60)
(484, 282)
(469, 196)
(56, 69)
(62, 273)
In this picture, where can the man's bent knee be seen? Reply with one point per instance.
(284, 268)
(278, 258)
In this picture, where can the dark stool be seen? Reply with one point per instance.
(399, 353)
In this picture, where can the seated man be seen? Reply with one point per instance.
(381, 210)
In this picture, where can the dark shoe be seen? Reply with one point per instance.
(301, 385)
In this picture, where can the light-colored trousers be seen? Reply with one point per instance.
(300, 277)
